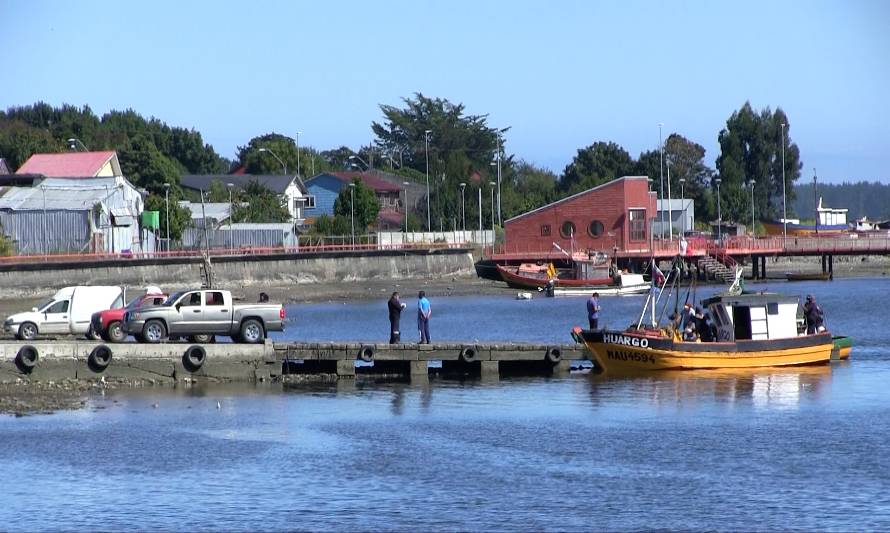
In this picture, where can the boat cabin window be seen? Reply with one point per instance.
(772, 308)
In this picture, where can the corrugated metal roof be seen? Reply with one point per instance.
(67, 199)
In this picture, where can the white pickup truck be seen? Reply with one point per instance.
(68, 312)
(203, 313)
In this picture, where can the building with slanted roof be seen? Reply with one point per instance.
(290, 189)
(325, 188)
(614, 215)
(74, 215)
(73, 164)
(4, 168)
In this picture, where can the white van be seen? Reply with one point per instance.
(68, 312)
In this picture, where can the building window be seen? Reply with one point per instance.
(637, 224)
(567, 230)
(545, 230)
(310, 201)
(595, 229)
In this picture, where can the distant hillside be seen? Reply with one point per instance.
(862, 199)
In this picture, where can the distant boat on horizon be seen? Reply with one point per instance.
(831, 220)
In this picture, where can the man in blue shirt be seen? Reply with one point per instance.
(423, 317)
(593, 310)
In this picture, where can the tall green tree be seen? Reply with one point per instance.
(265, 163)
(524, 187)
(258, 204)
(682, 159)
(19, 140)
(594, 165)
(751, 150)
(144, 165)
(458, 146)
(366, 205)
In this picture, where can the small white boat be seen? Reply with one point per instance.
(627, 284)
(523, 296)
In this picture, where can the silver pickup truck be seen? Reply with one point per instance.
(203, 313)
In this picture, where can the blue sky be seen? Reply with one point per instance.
(560, 74)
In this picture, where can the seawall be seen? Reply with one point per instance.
(36, 279)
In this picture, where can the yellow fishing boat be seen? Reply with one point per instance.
(752, 330)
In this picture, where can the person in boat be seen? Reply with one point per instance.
(688, 316)
(593, 310)
(689, 333)
(395, 306)
(709, 330)
(813, 315)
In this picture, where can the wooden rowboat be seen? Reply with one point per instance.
(815, 276)
(842, 346)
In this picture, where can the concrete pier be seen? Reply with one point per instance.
(58, 360)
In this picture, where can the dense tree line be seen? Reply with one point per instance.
(429, 139)
(869, 199)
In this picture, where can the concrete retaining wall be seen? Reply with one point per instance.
(30, 280)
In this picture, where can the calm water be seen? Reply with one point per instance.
(757, 450)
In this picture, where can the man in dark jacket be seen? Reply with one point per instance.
(813, 315)
(395, 313)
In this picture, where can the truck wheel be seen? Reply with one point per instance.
(202, 339)
(252, 331)
(28, 331)
(91, 334)
(115, 332)
(154, 331)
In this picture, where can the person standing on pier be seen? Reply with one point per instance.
(395, 314)
(593, 310)
(423, 317)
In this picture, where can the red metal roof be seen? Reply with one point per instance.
(66, 164)
(377, 184)
(393, 218)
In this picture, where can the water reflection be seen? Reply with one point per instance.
(774, 388)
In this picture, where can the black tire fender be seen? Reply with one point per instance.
(27, 357)
(100, 357)
(194, 357)
(366, 353)
(553, 355)
(468, 354)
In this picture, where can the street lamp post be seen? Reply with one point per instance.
(270, 152)
(661, 178)
(405, 183)
(298, 153)
(784, 204)
(352, 210)
(231, 186)
(167, 211)
(73, 142)
(492, 216)
(426, 138)
(682, 206)
(670, 212)
(719, 217)
(463, 220)
(359, 159)
(752, 208)
(500, 221)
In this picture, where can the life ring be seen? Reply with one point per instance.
(27, 357)
(468, 354)
(366, 353)
(194, 357)
(100, 357)
(553, 355)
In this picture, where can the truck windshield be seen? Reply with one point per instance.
(44, 305)
(172, 299)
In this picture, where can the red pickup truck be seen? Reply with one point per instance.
(107, 324)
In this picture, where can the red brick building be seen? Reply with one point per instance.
(614, 214)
